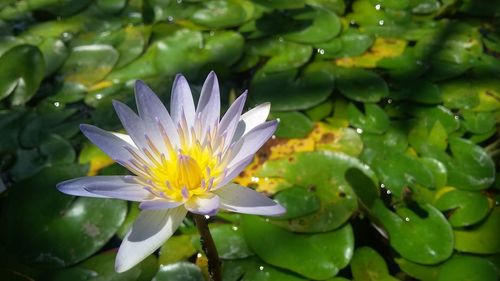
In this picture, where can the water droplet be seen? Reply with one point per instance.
(281, 39)
(389, 101)
(388, 192)
(199, 255)
(456, 117)
(254, 179)
(321, 51)
(407, 219)
(57, 104)
(179, 1)
(170, 18)
(273, 137)
(98, 96)
(207, 217)
(235, 228)
(359, 131)
(278, 119)
(212, 33)
(66, 36)
(377, 7)
(382, 185)
(261, 268)
(381, 22)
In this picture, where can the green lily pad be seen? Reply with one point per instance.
(283, 55)
(68, 230)
(292, 124)
(465, 207)
(398, 170)
(287, 92)
(418, 90)
(254, 270)
(321, 173)
(418, 271)
(482, 238)
(230, 242)
(467, 269)
(177, 248)
(368, 265)
(324, 26)
(180, 271)
(87, 65)
(428, 230)
(469, 167)
(361, 85)
(478, 122)
(220, 14)
(54, 53)
(22, 69)
(102, 268)
(350, 43)
(298, 202)
(366, 190)
(320, 112)
(315, 256)
(374, 120)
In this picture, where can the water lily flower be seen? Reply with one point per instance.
(182, 161)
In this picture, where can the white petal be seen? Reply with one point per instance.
(231, 119)
(252, 119)
(151, 229)
(125, 137)
(239, 199)
(182, 101)
(159, 204)
(235, 170)
(252, 141)
(107, 142)
(203, 205)
(127, 189)
(132, 124)
(82, 186)
(209, 103)
(151, 110)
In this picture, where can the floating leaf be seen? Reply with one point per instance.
(315, 256)
(181, 271)
(428, 230)
(481, 239)
(465, 207)
(254, 270)
(89, 64)
(287, 92)
(467, 269)
(74, 229)
(230, 242)
(321, 173)
(368, 265)
(22, 68)
(361, 85)
(324, 26)
(292, 124)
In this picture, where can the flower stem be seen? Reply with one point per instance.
(207, 242)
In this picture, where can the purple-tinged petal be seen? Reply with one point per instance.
(149, 231)
(126, 138)
(182, 101)
(159, 204)
(251, 119)
(132, 124)
(230, 120)
(151, 110)
(209, 102)
(81, 186)
(207, 204)
(235, 170)
(108, 142)
(239, 199)
(252, 141)
(127, 189)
